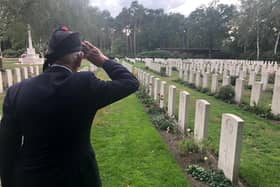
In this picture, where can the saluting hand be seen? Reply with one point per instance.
(93, 54)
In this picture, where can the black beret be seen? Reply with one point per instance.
(62, 42)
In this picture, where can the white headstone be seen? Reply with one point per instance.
(256, 93)
(163, 94)
(1, 83)
(37, 70)
(17, 75)
(197, 79)
(171, 100)
(151, 86)
(191, 77)
(25, 73)
(184, 103)
(181, 73)
(147, 83)
(226, 80)
(205, 80)
(156, 89)
(202, 111)
(186, 75)
(275, 107)
(31, 71)
(9, 77)
(230, 146)
(264, 80)
(239, 90)
(214, 83)
(252, 78)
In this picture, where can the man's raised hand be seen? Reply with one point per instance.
(94, 55)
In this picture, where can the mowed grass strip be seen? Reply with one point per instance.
(130, 151)
(260, 155)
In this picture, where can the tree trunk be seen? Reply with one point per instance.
(276, 43)
(258, 37)
(134, 41)
(131, 45)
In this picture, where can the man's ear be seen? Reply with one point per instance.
(80, 57)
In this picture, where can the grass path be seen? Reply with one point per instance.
(130, 151)
(260, 155)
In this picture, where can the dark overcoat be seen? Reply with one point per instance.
(45, 129)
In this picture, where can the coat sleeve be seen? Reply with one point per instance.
(122, 84)
(10, 142)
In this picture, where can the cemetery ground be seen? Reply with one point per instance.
(129, 150)
(260, 161)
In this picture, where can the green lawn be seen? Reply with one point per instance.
(260, 156)
(129, 149)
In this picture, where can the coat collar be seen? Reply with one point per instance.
(59, 68)
(65, 67)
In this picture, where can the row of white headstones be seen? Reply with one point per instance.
(12, 76)
(232, 125)
(198, 73)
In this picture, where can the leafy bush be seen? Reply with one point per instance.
(226, 93)
(262, 111)
(205, 90)
(271, 78)
(233, 80)
(12, 53)
(249, 87)
(155, 111)
(164, 123)
(161, 54)
(210, 177)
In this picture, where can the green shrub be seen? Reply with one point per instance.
(271, 78)
(205, 90)
(12, 53)
(249, 87)
(155, 111)
(233, 80)
(226, 93)
(210, 177)
(262, 111)
(161, 54)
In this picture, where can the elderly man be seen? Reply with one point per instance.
(45, 129)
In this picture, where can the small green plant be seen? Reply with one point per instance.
(226, 93)
(210, 177)
(188, 146)
(205, 90)
(157, 115)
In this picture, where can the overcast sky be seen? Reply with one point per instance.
(181, 6)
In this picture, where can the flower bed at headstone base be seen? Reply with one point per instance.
(258, 110)
(197, 160)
